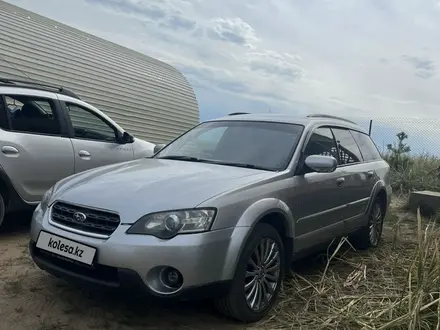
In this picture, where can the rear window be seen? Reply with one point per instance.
(366, 145)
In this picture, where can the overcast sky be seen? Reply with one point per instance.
(363, 57)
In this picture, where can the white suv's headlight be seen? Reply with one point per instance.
(166, 225)
(45, 200)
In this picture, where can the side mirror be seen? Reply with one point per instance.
(321, 164)
(126, 138)
(158, 147)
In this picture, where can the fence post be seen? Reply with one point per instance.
(369, 128)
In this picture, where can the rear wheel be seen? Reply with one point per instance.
(370, 235)
(258, 278)
(2, 210)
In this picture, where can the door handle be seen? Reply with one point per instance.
(10, 151)
(370, 174)
(84, 154)
(340, 181)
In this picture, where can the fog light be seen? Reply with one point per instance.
(171, 278)
(164, 280)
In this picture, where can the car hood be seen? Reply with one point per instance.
(139, 187)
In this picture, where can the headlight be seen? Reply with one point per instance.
(166, 225)
(45, 200)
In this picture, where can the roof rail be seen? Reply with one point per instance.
(319, 115)
(37, 85)
(238, 113)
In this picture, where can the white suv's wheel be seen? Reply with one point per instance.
(258, 277)
(2, 210)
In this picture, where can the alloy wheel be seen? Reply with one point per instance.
(262, 274)
(376, 223)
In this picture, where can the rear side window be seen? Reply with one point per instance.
(31, 114)
(348, 150)
(368, 148)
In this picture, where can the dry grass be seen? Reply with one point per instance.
(415, 173)
(395, 286)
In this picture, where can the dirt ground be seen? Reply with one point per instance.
(32, 299)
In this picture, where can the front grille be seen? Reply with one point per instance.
(96, 221)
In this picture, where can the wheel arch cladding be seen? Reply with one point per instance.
(270, 211)
(279, 222)
(4, 191)
(379, 190)
(382, 195)
(265, 209)
(5, 187)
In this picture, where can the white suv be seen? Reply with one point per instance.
(46, 134)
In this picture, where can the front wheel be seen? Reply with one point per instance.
(258, 277)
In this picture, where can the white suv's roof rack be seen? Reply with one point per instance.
(319, 115)
(238, 113)
(11, 82)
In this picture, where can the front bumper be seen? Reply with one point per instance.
(112, 278)
(206, 260)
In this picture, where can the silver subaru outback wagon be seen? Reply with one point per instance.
(220, 212)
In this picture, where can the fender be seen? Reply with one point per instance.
(380, 185)
(258, 210)
(14, 201)
(247, 222)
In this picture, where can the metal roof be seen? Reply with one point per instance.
(147, 97)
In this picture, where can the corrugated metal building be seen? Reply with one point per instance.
(147, 97)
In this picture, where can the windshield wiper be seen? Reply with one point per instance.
(255, 167)
(187, 158)
(217, 162)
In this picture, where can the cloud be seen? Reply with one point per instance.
(272, 64)
(178, 22)
(233, 30)
(133, 7)
(425, 68)
(342, 57)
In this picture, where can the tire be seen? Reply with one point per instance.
(2, 210)
(370, 235)
(266, 279)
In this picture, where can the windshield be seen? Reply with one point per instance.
(260, 145)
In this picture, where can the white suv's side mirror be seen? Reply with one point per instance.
(126, 138)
